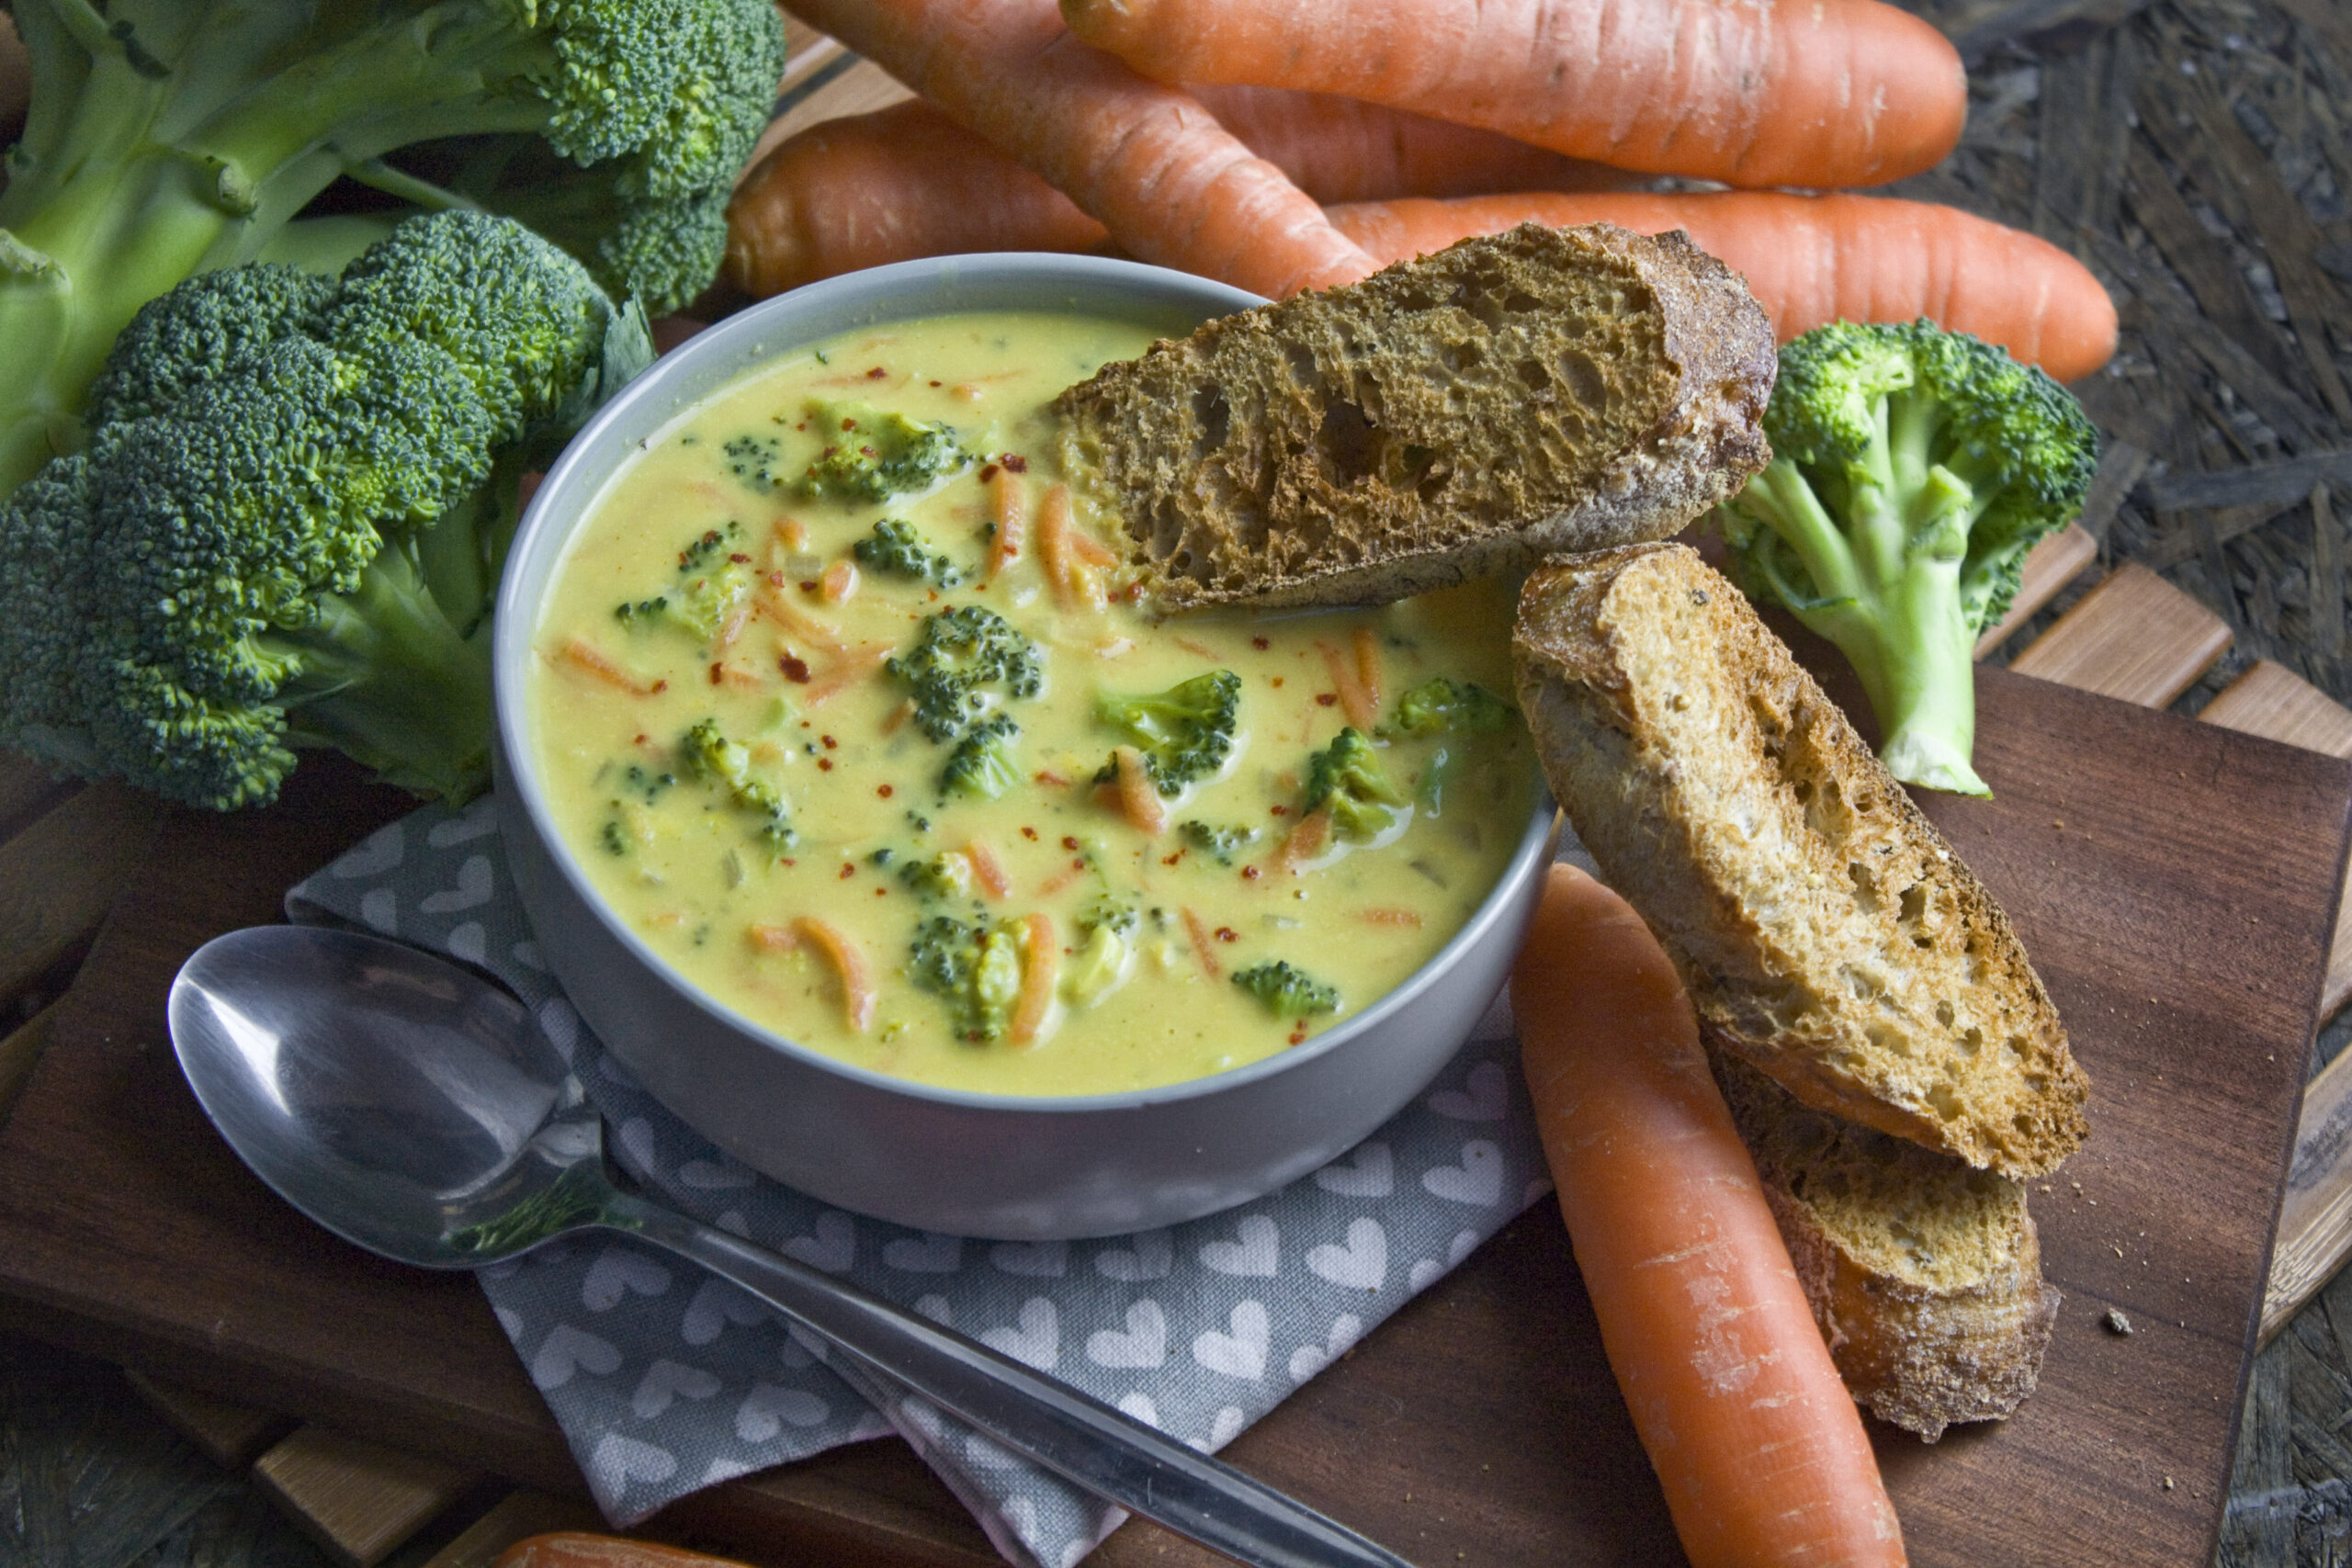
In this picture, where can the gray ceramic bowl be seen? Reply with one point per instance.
(947, 1160)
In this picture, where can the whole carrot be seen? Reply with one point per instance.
(892, 185)
(579, 1548)
(1169, 183)
(1757, 1445)
(1831, 93)
(1813, 259)
(906, 181)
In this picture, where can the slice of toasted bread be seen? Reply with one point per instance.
(1455, 416)
(1824, 930)
(1924, 1274)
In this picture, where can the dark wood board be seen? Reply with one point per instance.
(2175, 883)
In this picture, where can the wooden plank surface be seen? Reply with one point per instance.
(358, 1500)
(2183, 944)
(2134, 638)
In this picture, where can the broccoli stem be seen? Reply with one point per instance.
(117, 203)
(386, 678)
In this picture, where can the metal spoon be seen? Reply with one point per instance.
(415, 1110)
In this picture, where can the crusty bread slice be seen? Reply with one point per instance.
(1824, 930)
(1924, 1274)
(1451, 417)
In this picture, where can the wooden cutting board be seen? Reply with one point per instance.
(2175, 883)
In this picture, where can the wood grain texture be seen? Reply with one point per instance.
(60, 876)
(2134, 638)
(516, 1516)
(358, 1500)
(2315, 1212)
(2049, 567)
(2183, 944)
(2275, 703)
(230, 1436)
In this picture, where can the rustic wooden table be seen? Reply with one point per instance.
(2192, 151)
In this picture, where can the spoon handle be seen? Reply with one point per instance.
(1095, 1447)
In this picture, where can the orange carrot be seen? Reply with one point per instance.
(1305, 841)
(849, 967)
(774, 939)
(1820, 258)
(856, 664)
(1169, 183)
(1041, 963)
(987, 869)
(791, 533)
(839, 582)
(775, 606)
(586, 656)
(892, 185)
(1007, 513)
(1368, 667)
(1757, 1445)
(1138, 798)
(1384, 917)
(1836, 93)
(1071, 558)
(1198, 929)
(579, 1549)
(906, 181)
(1362, 707)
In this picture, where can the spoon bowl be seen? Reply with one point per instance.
(414, 1108)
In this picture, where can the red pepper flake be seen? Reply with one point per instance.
(1276, 679)
(1281, 810)
(824, 765)
(846, 424)
(1030, 834)
(1326, 699)
(935, 383)
(1078, 864)
(660, 687)
(1261, 644)
(830, 744)
(1171, 860)
(883, 790)
(1226, 933)
(875, 374)
(1299, 1035)
(717, 674)
(1069, 841)
(640, 738)
(775, 580)
(787, 860)
(1248, 873)
(740, 559)
(988, 472)
(1016, 462)
(796, 669)
(808, 585)
(849, 869)
(881, 893)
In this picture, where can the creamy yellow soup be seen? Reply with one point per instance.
(1011, 883)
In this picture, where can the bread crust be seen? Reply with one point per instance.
(1451, 417)
(1825, 932)
(1924, 1275)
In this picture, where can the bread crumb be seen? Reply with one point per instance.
(2120, 1327)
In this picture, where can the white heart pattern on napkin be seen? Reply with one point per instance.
(1370, 1172)
(1149, 1256)
(1484, 1095)
(1241, 1353)
(834, 1246)
(666, 1380)
(617, 1271)
(1254, 1254)
(1144, 1342)
(567, 1351)
(1477, 1180)
(475, 885)
(1037, 1341)
(619, 1460)
(1032, 1260)
(716, 1305)
(1309, 1360)
(1361, 1264)
(767, 1410)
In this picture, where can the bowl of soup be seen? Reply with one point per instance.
(872, 817)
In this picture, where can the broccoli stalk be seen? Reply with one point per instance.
(1915, 470)
(287, 527)
(169, 138)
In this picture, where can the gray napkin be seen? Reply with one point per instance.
(666, 1380)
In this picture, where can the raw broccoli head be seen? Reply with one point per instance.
(171, 138)
(1183, 733)
(873, 453)
(1287, 992)
(1913, 469)
(964, 661)
(974, 968)
(982, 766)
(1442, 706)
(1347, 776)
(292, 541)
(896, 547)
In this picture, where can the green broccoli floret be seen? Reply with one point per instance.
(289, 534)
(1287, 992)
(1913, 469)
(1219, 842)
(706, 754)
(1105, 951)
(976, 969)
(1347, 775)
(752, 458)
(982, 766)
(873, 453)
(963, 662)
(1183, 733)
(714, 582)
(167, 138)
(946, 875)
(1444, 705)
(895, 547)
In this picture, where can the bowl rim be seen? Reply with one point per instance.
(516, 627)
